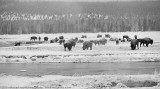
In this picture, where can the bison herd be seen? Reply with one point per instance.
(145, 41)
(68, 44)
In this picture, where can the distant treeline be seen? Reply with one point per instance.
(83, 17)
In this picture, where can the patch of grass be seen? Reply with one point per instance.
(146, 83)
(157, 60)
(33, 59)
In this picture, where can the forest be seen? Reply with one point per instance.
(75, 17)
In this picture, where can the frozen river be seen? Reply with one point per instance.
(68, 69)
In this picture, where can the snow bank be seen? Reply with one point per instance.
(80, 82)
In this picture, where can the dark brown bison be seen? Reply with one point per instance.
(146, 41)
(134, 43)
(80, 41)
(84, 36)
(122, 40)
(33, 38)
(54, 40)
(91, 41)
(68, 44)
(129, 39)
(103, 41)
(99, 36)
(61, 37)
(39, 38)
(112, 39)
(107, 35)
(96, 42)
(45, 38)
(73, 42)
(86, 45)
(75, 39)
(61, 41)
(117, 42)
(17, 43)
(125, 37)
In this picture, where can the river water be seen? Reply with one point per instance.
(70, 69)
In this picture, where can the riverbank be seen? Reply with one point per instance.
(84, 82)
(78, 57)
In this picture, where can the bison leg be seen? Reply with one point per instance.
(19, 44)
(64, 48)
(65, 45)
(90, 48)
(70, 48)
(140, 44)
(147, 44)
(137, 45)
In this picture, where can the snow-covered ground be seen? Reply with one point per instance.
(84, 82)
(47, 52)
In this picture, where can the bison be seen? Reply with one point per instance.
(61, 37)
(54, 40)
(17, 43)
(103, 41)
(75, 39)
(68, 44)
(146, 41)
(39, 38)
(73, 42)
(122, 40)
(99, 36)
(107, 35)
(80, 41)
(83, 36)
(134, 43)
(112, 39)
(33, 38)
(45, 38)
(129, 39)
(61, 41)
(96, 42)
(125, 36)
(86, 45)
(117, 42)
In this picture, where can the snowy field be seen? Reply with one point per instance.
(48, 53)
